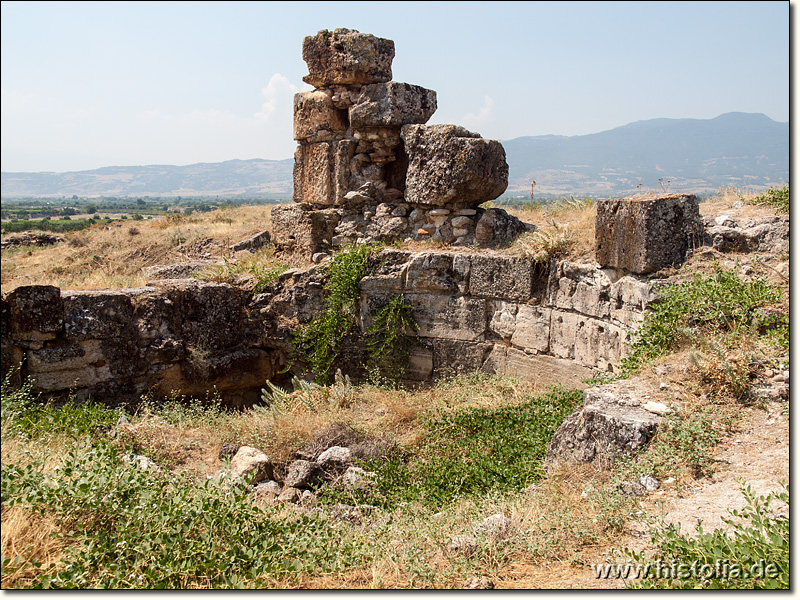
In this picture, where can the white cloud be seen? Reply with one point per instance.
(482, 117)
(279, 95)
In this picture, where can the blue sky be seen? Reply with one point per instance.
(93, 84)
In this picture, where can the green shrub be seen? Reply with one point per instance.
(679, 443)
(391, 337)
(778, 198)
(26, 415)
(760, 538)
(319, 343)
(133, 528)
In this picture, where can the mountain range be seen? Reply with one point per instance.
(744, 150)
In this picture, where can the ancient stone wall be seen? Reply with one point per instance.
(486, 312)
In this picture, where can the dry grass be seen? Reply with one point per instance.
(28, 535)
(112, 256)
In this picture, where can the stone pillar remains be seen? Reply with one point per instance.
(368, 168)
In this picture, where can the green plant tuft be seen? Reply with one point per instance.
(719, 303)
(390, 338)
(778, 198)
(319, 343)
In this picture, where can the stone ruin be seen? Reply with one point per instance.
(368, 168)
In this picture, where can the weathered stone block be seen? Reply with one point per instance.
(452, 357)
(449, 317)
(345, 56)
(505, 277)
(316, 119)
(35, 312)
(610, 424)
(642, 234)
(96, 314)
(321, 172)
(432, 272)
(532, 331)
(495, 228)
(451, 166)
(539, 368)
(297, 230)
(420, 365)
(392, 104)
(502, 318)
(580, 288)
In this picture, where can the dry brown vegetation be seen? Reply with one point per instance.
(112, 256)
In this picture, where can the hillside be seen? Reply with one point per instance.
(734, 149)
(748, 151)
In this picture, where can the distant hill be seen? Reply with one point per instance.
(749, 151)
(232, 178)
(695, 155)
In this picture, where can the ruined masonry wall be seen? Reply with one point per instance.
(485, 312)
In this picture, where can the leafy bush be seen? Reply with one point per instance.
(679, 443)
(707, 304)
(134, 528)
(25, 415)
(474, 451)
(760, 539)
(778, 198)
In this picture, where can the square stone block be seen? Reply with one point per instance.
(642, 234)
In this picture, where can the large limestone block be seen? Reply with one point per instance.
(448, 317)
(345, 56)
(392, 104)
(35, 312)
(532, 331)
(642, 234)
(504, 277)
(432, 272)
(539, 368)
(502, 318)
(321, 172)
(495, 228)
(612, 423)
(297, 230)
(580, 288)
(213, 315)
(316, 119)
(630, 297)
(598, 344)
(450, 166)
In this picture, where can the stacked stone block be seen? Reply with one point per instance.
(365, 155)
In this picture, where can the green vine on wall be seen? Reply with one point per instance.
(389, 339)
